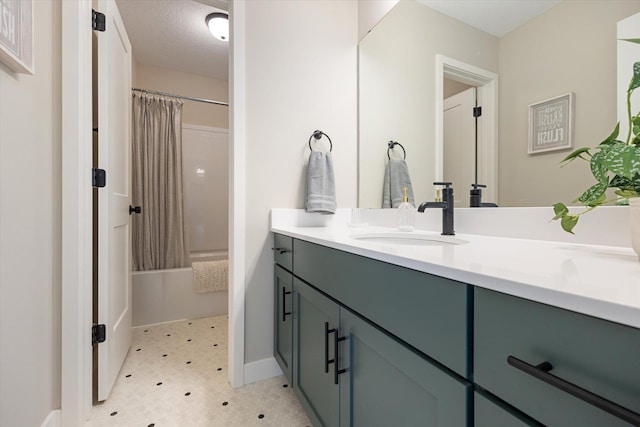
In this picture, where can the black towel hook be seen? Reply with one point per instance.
(317, 134)
(392, 144)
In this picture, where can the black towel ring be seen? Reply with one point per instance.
(392, 144)
(317, 134)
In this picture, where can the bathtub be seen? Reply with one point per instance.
(167, 295)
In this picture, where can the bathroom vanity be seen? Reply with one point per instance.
(492, 332)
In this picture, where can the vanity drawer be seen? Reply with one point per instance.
(599, 356)
(489, 412)
(283, 251)
(428, 312)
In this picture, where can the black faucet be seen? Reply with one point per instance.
(447, 208)
(475, 197)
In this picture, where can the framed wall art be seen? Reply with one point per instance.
(16, 35)
(551, 124)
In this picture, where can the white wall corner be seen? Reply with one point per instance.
(52, 420)
(261, 370)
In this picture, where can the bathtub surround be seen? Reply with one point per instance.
(160, 296)
(160, 237)
(205, 164)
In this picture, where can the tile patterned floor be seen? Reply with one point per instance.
(175, 376)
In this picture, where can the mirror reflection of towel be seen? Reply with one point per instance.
(396, 177)
(321, 188)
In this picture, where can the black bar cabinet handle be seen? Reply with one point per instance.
(327, 331)
(541, 372)
(285, 313)
(336, 356)
(281, 250)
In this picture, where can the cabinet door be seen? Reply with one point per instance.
(283, 323)
(387, 384)
(313, 379)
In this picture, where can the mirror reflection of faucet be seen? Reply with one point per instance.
(475, 197)
(447, 208)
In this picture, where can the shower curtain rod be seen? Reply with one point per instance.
(208, 101)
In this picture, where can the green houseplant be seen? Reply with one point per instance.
(614, 164)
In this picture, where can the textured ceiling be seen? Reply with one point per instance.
(173, 34)
(497, 17)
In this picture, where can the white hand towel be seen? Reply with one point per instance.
(321, 188)
(396, 177)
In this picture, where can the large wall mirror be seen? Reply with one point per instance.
(416, 56)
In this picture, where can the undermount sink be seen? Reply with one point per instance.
(416, 238)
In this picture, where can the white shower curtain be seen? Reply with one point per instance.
(160, 236)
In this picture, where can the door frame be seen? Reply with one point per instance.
(486, 83)
(77, 207)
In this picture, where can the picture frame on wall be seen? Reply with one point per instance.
(551, 124)
(16, 35)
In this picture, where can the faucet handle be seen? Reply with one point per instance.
(476, 186)
(446, 184)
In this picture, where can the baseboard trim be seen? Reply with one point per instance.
(52, 420)
(261, 370)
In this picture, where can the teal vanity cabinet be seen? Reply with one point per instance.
(350, 369)
(386, 383)
(283, 301)
(349, 373)
(315, 318)
(488, 411)
(520, 344)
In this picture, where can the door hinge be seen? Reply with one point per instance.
(98, 334)
(477, 111)
(98, 177)
(98, 21)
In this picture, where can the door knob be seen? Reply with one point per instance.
(134, 209)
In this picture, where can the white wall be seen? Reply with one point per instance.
(370, 13)
(30, 230)
(570, 48)
(187, 84)
(301, 71)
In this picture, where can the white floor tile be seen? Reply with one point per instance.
(175, 375)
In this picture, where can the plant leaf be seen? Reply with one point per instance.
(621, 182)
(594, 196)
(568, 222)
(599, 168)
(560, 209)
(575, 154)
(624, 160)
(612, 138)
(635, 80)
(627, 194)
(637, 41)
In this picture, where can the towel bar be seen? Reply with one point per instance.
(392, 144)
(317, 134)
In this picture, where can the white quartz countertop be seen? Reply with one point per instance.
(600, 281)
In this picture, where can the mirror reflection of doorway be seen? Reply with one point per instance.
(459, 139)
(453, 77)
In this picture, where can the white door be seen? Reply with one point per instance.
(459, 132)
(114, 148)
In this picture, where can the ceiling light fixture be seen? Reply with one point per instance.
(218, 24)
